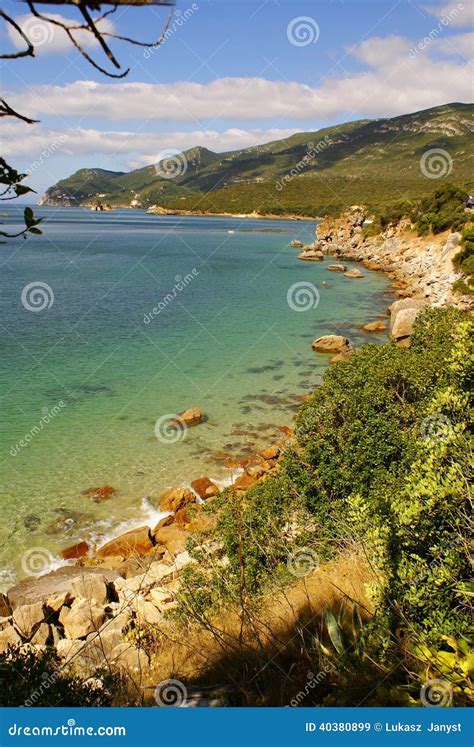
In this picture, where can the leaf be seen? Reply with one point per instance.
(35, 230)
(28, 216)
(333, 631)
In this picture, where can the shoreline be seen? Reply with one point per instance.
(168, 212)
(142, 564)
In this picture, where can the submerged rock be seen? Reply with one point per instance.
(75, 551)
(100, 494)
(190, 417)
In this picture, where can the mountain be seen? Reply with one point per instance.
(310, 173)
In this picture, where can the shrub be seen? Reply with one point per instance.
(38, 678)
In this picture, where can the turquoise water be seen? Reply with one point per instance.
(88, 376)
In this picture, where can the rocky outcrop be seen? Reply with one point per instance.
(310, 254)
(336, 268)
(419, 267)
(190, 417)
(176, 498)
(403, 314)
(331, 344)
(354, 273)
(204, 487)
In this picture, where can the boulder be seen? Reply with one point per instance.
(51, 585)
(311, 255)
(354, 273)
(128, 657)
(68, 649)
(377, 326)
(337, 268)
(75, 551)
(54, 604)
(42, 635)
(204, 487)
(272, 452)
(172, 537)
(90, 585)
(402, 324)
(244, 482)
(82, 618)
(9, 637)
(146, 611)
(405, 303)
(161, 598)
(330, 344)
(135, 542)
(176, 498)
(191, 417)
(296, 244)
(341, 357)
(5, 609)
(27, 618)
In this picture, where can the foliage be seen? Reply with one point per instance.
(11, 181)
(464, 261)
(381, 459)
(37, 678)
(442, 210)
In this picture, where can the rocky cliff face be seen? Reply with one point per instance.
(419, 266)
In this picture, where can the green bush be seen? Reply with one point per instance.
(443, 210)
(38, 678)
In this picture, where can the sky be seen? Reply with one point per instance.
(230, 74)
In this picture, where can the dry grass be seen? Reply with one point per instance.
(265, 653)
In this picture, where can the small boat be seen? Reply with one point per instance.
(230, 231)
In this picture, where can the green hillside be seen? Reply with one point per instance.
(371, 161)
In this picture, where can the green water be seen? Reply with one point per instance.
(106, 368)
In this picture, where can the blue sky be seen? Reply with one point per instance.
(230, 74)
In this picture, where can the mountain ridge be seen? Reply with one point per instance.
(370, 159)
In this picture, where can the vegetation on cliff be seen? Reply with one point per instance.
(380, 462)
(313, 173)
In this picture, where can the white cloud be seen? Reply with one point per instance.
(395, 82)
(47, 38)
(131, 149)
(462, 44)
(460, 14)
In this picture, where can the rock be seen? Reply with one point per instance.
(5, 609)
(341, 357)
(135, 542)
(273, 452)
(405, 303)
(27, 618)
(172, 537)
(330, 344)
(244, 482)
(68, 649)
(311, 255)
(54, 604)
(146, 611)
(75, 551)
(191, 417)
(101, 494)
(91, 586)
(176, 498)
(130, 658)
(82, 618)
(42, 635)
(204, 487)
(354, 273)
(296, 244)
(9, 637)
(402, 325)
(160, 597)
(377, 326)
(337, 268)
